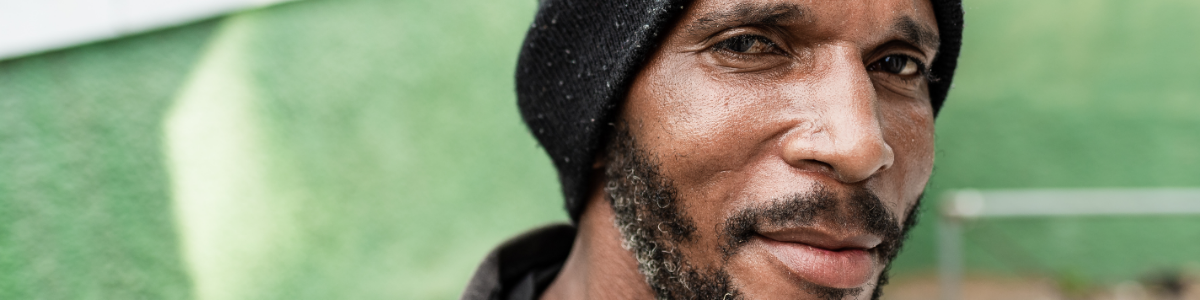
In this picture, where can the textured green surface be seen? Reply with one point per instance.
(85, 211)
(372, 149)
(396, 155)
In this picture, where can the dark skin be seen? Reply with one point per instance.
(750, 100)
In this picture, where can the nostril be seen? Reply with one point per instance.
(813, 165)
(860, 160)
(887, 158)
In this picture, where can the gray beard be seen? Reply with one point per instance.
(654, 226)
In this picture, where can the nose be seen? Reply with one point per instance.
(844, 132)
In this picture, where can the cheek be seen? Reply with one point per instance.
(704, 133)
(910, 132)
(697, 126)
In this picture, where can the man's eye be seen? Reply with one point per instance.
(748, 44)
(897, 64)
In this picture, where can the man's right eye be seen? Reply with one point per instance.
(748, 44)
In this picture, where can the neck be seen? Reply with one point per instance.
(598, 267)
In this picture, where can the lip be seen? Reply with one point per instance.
(824, 260)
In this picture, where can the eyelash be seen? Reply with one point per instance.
(727, 45)
(922, 68)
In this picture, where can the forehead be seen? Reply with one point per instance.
(847, 20)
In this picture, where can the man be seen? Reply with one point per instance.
(727, 149)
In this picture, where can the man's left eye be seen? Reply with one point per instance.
(902, 65)
(748, 44)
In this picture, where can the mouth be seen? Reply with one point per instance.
(841, 262)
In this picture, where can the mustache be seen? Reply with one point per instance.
(859, 208)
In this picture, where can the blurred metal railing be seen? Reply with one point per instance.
(962, 206)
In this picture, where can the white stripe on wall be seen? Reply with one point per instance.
(32, 26)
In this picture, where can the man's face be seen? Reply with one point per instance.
(776, 148)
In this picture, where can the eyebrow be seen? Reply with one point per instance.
(916, 34)
(746, 13)
(778, 14)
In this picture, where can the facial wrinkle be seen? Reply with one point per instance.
(773, 15)
(916, 34)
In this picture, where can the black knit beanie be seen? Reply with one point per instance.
(580, 57)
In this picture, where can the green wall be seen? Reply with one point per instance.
(372, 149)
(1072, 94)
(85, 206)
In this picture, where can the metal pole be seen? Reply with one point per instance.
(950, 257)
(961, 206)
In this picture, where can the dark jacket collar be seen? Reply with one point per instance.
(522, 267)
